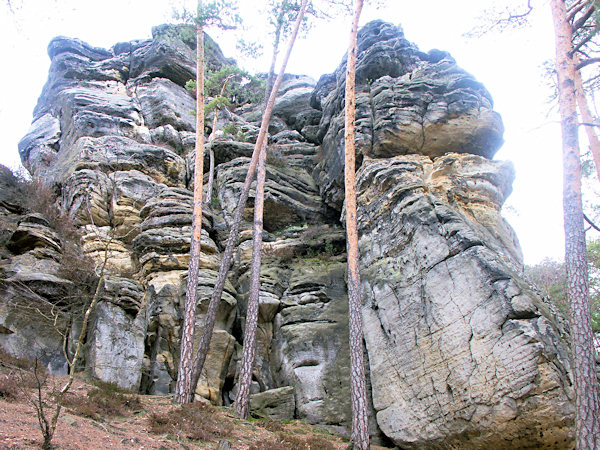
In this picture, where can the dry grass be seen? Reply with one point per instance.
(11, 362)
(196, 422)
(102, 415)
(9, 387)
(106, 400)
(271, 425)
(18, 377)
(286, 441)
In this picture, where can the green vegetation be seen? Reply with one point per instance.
(551, 278)
(237, 133)
(229, 86)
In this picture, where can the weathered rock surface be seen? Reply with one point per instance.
(291, 195)
(407, 102)
(31, 284)
(457, 341)
(462, 352)
(277, 404)
(311, 342)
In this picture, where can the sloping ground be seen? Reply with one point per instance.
(19, 427)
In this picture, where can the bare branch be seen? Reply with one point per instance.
(506, 19)
(592, 224)
(583, 42)
(587, 62)
(583, 19)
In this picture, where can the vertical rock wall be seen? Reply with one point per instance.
(462, 350)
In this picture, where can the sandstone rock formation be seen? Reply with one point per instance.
(462, 351)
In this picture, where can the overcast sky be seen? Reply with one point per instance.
(508, 64)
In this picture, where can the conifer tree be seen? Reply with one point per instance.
(358, 389)
(245, 379)
(212, 13)
(223, 86)
(261, 142)
(584, 366)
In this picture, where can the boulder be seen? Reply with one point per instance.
(275, 404)
(117, 153)
(310, 345)
(62, 44)
(213, 374)
(42, 138)
(293, 102)
(115, 345)
(290, 193)
(33, 231)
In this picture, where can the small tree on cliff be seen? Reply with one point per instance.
(259, 147)
(216, 12)
(225, 88)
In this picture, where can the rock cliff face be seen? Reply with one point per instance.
(462, 351)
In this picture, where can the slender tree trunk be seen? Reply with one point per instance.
(184, 391)
(245, 380)
(237, 220)
(271, 75)
(587, 117)
(584, 373)
(211, 160)
(211, 168)
(358, 388)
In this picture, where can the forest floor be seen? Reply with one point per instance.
(99, 416)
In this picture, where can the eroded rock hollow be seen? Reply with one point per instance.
(462, 351)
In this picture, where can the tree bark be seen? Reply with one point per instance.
(271, 75)
(245, 380)
(211, 167)
(184, 390)
(360, 425)
(261, 141)
(587, 117)
(584, 373)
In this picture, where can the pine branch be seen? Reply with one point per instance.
(590, 223)
(583, 19)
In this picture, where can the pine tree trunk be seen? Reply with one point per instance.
(271, 75)
(184, 390)
(211, 160)
(211, 167)
(360, 425)
(587, 117)
(211, 314)
(584, 373)
(245, 379)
